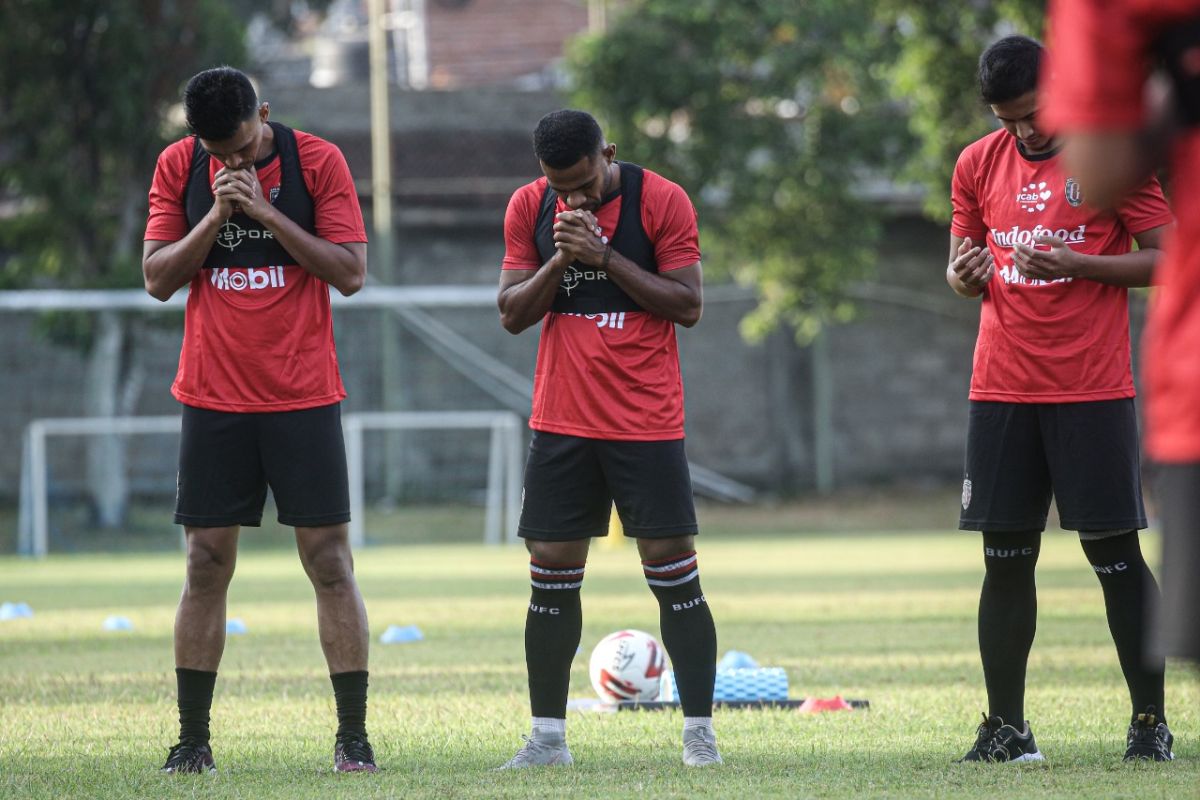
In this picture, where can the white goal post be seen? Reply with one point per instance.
(505, 463)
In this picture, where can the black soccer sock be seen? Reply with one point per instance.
(1129, 592)
(553, 626)
(350, 694)
(1008, 619)
(688, 632)
(195, 695)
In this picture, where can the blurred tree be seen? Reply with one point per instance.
(775, 116)
(940, 44)
(85, 86)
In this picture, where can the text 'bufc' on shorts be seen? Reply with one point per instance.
(1084, 455)
(571, 484)
(228, 459)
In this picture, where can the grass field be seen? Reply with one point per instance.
(888, 617)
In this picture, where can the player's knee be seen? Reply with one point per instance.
(574, 552)
(656, 549)
(1011, 556)
(208, 570)
(330, 568)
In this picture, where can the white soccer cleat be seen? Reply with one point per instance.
(700, 747)
(542, 749)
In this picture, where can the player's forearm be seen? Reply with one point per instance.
(523, 304)
(663, 297)
(332, 263)
(1128, 269)
(169, 268)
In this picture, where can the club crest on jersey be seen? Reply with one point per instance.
(273, 194)
(1033, 196)
(966, 495)
(1073, 193)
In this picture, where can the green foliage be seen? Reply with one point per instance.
(935, 72)
(84, 90)
(772, 114)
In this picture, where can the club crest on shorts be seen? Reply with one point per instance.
(966, 496)
(1073, 193)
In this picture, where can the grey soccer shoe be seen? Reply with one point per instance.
(541, 749)
(997, 742)
(1149, 739)
(700, 747)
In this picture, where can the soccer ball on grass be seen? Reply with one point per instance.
(627, 665)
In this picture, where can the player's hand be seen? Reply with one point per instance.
(243, 188)
(225, 204)
(973, 266)
(1055, 259)
(577, 233)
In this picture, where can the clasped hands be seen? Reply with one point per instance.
(239, 190)
(579, 237)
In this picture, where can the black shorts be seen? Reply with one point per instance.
(227, 460)
(1177, 490)
(571, 484)
(1085, 455)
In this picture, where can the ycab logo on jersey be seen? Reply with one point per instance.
(1033, 196)
(252, 278)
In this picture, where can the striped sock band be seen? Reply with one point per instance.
(557, 576)
(673, 571)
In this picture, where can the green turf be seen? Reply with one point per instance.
(85, 713)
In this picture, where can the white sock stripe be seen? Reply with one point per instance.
(574, 585)
(674, 581)
(544, 571)
(674, 565)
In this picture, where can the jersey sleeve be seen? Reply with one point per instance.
(167, 220)
(669, 219)
(1096, 67)
(1145, 209)
(967, 217)
(520, 249)
(335, 202)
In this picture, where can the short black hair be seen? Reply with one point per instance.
(563, 137)
(217, 101)
(1009, 69)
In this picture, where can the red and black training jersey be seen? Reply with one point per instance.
(258, 337)
(1059, 341)
(608, 374)
(1100, 58)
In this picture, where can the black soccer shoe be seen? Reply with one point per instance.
(353, 753)
(996, 742)
(1149, 739)
(190, 757)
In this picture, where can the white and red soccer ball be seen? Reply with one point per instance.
(627, 665)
